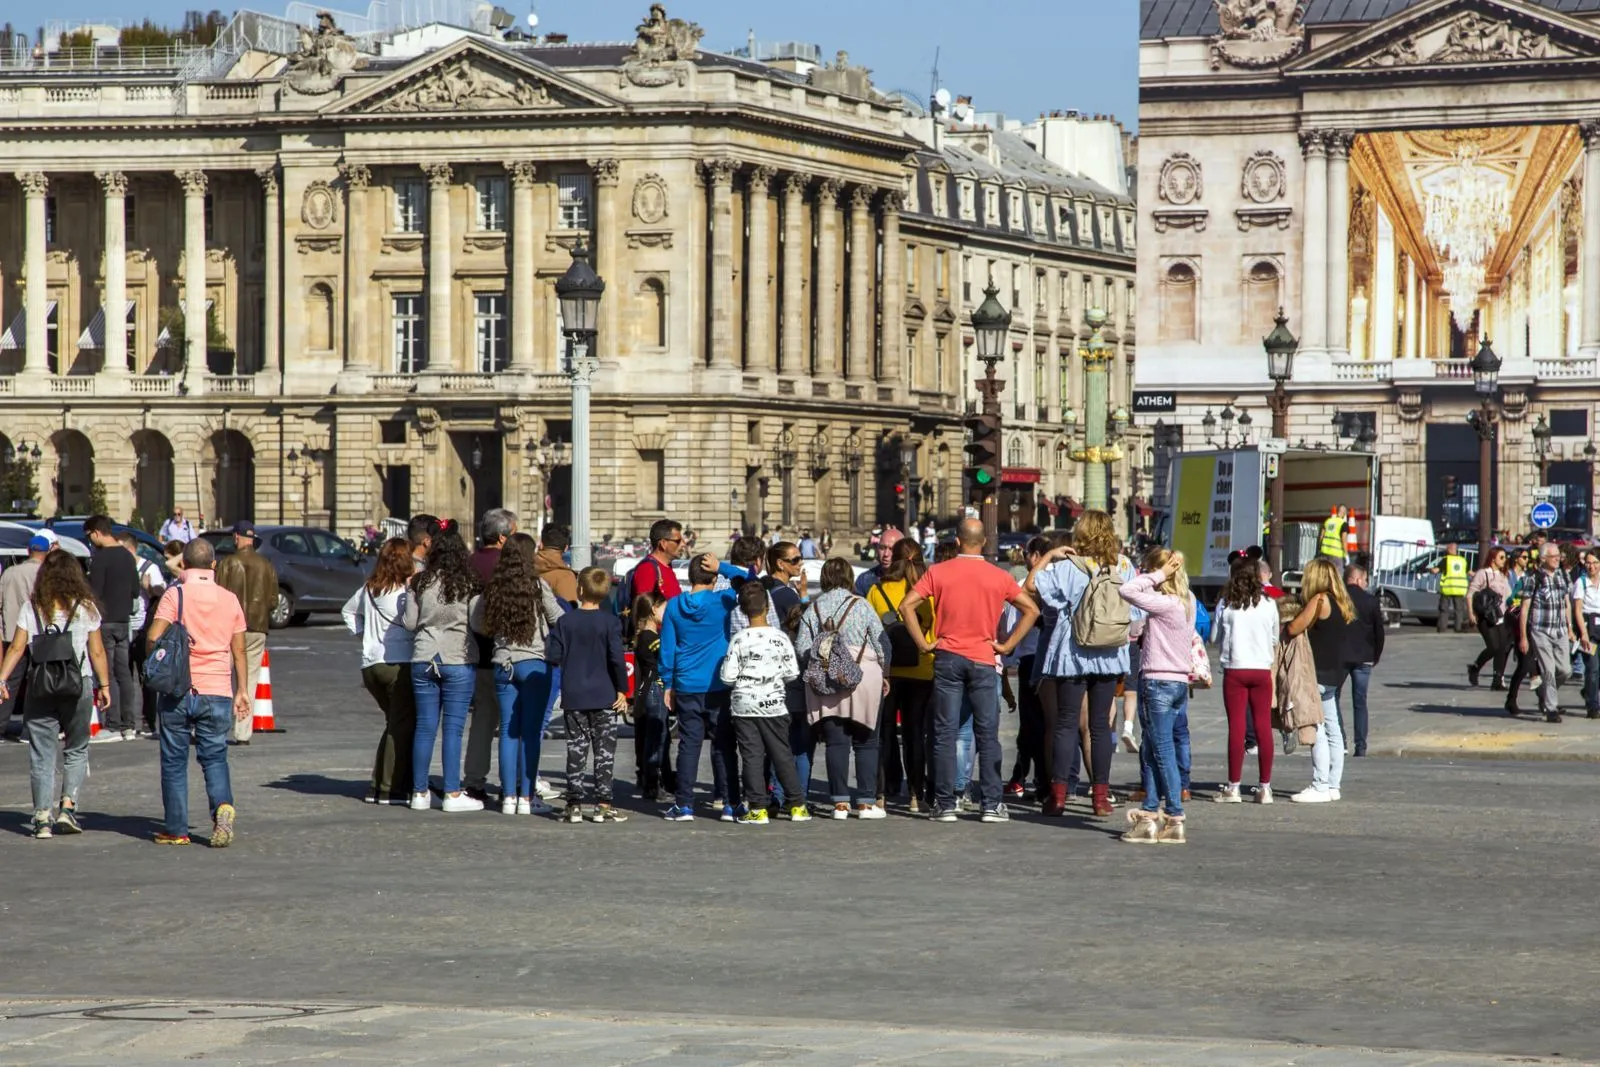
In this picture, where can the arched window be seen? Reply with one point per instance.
(319, 318)
(1262, 297)
(653, 312)
(1179, 287)
(1014, 453)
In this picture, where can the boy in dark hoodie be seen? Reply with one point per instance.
(694, 639)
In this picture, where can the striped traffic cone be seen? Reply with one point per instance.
(94, 722)
(264, 722)
(1352, 540)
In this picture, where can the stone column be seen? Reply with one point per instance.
(357, 351)
(34, 274)
(758, 312)
(1589, 272)
(605, 253)
(522, 267)
(794, 338)
(719, 176)
(893, 328)
(1338, 251)
(441, 356)
(195, 325)
(1314, 242)
(272, 270)
(115, 304)
(827, 361)
(859, 367)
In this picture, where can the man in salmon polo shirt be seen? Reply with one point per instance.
(216, 626)
(969, 594)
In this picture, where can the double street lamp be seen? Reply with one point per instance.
(1281, 346)
(302, 464)
(1486, 383)
(990, 323)
(579, 291)
(1541, 449)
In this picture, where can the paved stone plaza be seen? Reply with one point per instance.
(1443, 905)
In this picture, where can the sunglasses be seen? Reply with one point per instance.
(791, 559)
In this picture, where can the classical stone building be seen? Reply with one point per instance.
(1356, 163)
(370, 230)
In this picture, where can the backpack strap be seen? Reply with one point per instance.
(884, 593)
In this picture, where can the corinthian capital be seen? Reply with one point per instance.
(114, 182)
(718, 172)
(439, 174)
(1590, 130)
(1313, 142)
(795, 185)
(522, 174)
(1338, 143)
(861, 198)
(193, 182)
(356, 175)
(828, 191)
(34, 182)
(761, 178)
(605, 172)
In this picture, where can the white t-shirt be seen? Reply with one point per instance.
(759, 660)
(150, 577)
(85, 621)
(1587, 594)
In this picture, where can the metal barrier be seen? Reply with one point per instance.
(1406, 575)
(393, 527)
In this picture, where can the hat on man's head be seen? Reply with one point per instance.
(244, 528)
(43, 541)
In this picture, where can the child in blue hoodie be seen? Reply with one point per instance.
(694, 639)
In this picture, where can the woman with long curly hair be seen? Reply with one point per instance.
(61, 603)
(373, 613)
(443, 658)
(906, 721)
(1247, 638)
(1326, 620)
(517, 611)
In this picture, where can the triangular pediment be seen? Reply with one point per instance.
(1439, 36)
(469, 76)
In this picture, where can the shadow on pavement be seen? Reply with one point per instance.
(320, 785)
(1414, 684)
(1495, 711)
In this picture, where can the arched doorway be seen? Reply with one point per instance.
(73, 478)
(153, 479)
(233, 479)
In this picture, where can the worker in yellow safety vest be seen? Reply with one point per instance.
(1332, 543)
(1452, 571)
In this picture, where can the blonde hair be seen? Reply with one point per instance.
(1176, 584)
(1321, 576)
(1095, 538)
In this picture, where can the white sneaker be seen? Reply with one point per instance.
(421, 801)
(870, 811)
(130, 735)
(510, 806)
(1333, 794)
(522, 806)
(461, 802)
(545, 790)
(1263, 794)
(1312, 795)
(1128, 743)
(1228, 794)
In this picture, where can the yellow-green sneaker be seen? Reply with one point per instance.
(799, 813)
(754, 817)
(222, 827)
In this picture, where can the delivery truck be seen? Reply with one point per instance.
(1220, 501)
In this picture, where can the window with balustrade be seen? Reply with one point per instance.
(572, 200)
(410, 205)
(489, 318)
(491, 198)
(409, 333)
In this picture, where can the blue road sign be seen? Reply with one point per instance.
(1544, 515)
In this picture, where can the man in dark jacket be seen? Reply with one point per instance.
(253, 580)
(1364, 648)
(114, 580)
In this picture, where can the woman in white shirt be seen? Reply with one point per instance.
(374, 613)
(1586, 604)
(1247, 635)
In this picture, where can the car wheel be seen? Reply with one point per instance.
(299, 618)
(280, 611)
(1392, 612)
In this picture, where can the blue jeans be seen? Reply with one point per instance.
(443, 693)
(957, 679)
(802, 742)
(550, 699)
(209, 720)
(650, 738)
(1327, 752)
(966, 749)
(522, 689)
(702, 716)
(1360, 678)
(1180, 743)
(1162, 705)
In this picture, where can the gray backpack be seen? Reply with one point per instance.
(1101, 617)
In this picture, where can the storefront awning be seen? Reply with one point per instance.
(1142, 507)
(1021, 476)
(17, 332)
(94, 335)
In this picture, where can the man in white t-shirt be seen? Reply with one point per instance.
(152, 583)
(177, 528)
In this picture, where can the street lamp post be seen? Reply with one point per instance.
(990, 323)
(1096, 398)
(579, 290)
(1486, 382)
(1281, 346)
(1541, 448)
(733, 512)
(302, 465)
(908, 459)
(546, 455)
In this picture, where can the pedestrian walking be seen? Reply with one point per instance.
(1488, 601)
(968, 594)
(115, 582)
(1325, 619)
(1366, 649)
(1162, 593)
(1453, 585)
(694, 638)
(1586, 619)
(1544, 628)
(517, 612)
(253, 580)
(16, 588)
(587, 645)
(651, 720)
(907, 714)
(760, 663)
(1247, 639)
(373, 613)
(444, 656)
(843, 703)
(496, 525)
(69, 677)
(203, 717)
(177, 528)
(152, 583)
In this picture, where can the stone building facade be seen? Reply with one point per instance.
(1304, 156)
(371, 238)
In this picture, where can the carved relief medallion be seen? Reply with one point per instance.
(650, 199)
(1263, 178)
(319, 208)
(1180, 179)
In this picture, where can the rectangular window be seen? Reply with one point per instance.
(1016, 286)
(966, 279)
(991, 205)
(1088, 293)
(1040, 397)
(1571, 422)
(573, 198)
(410, 340)
(392, 432)
(652, 480)
(491, 204)
(1066, 293)
(1041, 291)
(940, 201)
(939, 343)
(1065, 367)
(911, 268)
(1016, 211)
(129, 218)
(1110, 290)
(911, 354)
(1127, 304)
(938, 272)
(49, 220)
(410, 203)
(489, 314)
(966, 200)
(211, 217)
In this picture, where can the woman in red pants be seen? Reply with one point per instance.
(1247, 636)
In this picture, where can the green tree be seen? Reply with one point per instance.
(203, 29)
(147, 35)
(97, 498)
(78, 39)
(19, 487)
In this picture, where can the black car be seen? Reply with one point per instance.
(317, 569)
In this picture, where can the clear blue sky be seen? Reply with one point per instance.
(1016, 56)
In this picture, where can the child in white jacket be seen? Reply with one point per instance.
(760, 660)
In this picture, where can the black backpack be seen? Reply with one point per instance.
(55, 671)
(1486, 605)
(166, 668)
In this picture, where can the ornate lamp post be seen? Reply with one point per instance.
(545, 455)
(303, 465)
(1486, 382)
(990, 324)
(1097, 388)
(579, 291)
(1281, 346)
(908, 460)
(1541, 448)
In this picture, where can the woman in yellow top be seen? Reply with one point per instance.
(910, 673)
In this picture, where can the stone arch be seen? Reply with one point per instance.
(71, 479)
(319, 318)
(154, 478)
(1263, 295)
(233, 482)
(1180, 303)
(653, 320)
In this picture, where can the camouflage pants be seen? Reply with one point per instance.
(591, 732)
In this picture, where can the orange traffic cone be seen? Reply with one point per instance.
(264, 722)
(1352, 542)
(94, 721)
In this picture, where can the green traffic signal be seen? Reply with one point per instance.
(982, 477)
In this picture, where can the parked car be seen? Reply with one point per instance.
(317, 569)
(148, 547)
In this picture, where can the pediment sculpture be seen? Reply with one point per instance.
(465, 86)
(1472, 38)
(324, 58)
(1257, 33)
(663, 50)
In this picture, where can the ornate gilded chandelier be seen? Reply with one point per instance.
(1463, 221)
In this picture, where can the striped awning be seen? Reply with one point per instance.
(17, 332)
(164, 338)
(94, 335)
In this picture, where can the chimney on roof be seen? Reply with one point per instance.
(555, 38)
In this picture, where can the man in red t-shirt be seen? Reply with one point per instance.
(968, 593)
(654, 572)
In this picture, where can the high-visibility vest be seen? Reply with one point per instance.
(1332, 544)
(1453, 578)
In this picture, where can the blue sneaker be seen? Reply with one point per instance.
(728, 814)
(677, 814)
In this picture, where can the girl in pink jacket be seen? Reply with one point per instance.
(1162, 592)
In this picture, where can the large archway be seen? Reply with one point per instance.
(154, 481)
(72, 479)
(233, 478)
(19, 475)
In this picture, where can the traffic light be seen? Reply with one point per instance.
(983, 452)
(1449, 486)
(899, 497)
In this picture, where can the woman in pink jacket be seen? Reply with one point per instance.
(1162, 591)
